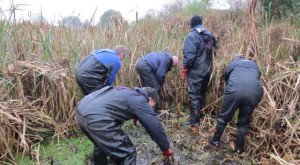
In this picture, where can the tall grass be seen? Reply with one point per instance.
(39, 93)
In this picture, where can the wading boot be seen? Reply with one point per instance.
(195, 116)
(240, 140)
(215, 141)
(100, 157)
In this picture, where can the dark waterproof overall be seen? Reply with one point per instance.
(153, 67)
(198, 55)
(97, 70)
(100, 116)
(243, 91)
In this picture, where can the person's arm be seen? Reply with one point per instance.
(146, 116)
(117, 65)
(161, 70)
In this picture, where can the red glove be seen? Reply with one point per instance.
(183, 73)
(168, 152)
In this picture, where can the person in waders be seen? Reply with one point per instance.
(198, 51)
(101, 114)
(99, 69)
(243, 91)
(153, 67)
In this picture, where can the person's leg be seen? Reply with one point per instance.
(195, 80)
(204, 88)
(215, 141)
(113, 141)
(230, 103)
(148, 78)
(99, 157)
(195, 113)
(244, 120)
(240, 138)
(147, 75)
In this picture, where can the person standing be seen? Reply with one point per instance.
(198, 51)
(101, 114)
(243, 91)
(99, 68)
(153, 67)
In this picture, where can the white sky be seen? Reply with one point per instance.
(54, 10)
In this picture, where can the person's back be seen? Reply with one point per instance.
(99, 68)
(153, 67)
(105, 105)
(101, 114)
(198, 51)
(243, 91)
(155, 59)
(115, 104)
(243, 75)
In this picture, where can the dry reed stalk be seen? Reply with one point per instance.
(28, 118)
(274, 8)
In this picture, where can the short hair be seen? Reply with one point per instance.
(152, 93)
(237, 56)
(120, 49)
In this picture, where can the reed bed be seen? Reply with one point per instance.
(38, 90)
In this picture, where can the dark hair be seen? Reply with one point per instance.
(152, 93)
(196, 20)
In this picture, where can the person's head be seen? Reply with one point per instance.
(175, 61)
(237, 56)
(121, 50)
(153, 96)
(195, 21)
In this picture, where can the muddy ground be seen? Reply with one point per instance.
(189, 145)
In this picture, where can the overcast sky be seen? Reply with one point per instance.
(54, 10)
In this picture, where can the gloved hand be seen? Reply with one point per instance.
(169, 152)
(183, 73)
(134, 121)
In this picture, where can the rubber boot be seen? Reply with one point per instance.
(100, 157)
(240, 139)
(195, 112)
(195, 116)
(215, 141)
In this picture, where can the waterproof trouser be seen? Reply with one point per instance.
(147, 75)
(197, 87)
(108, 139)
(91, 75)
(246, 101)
